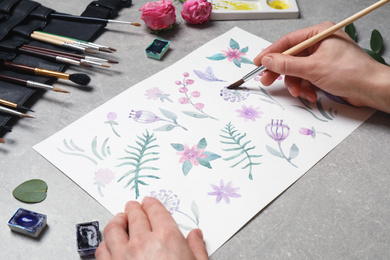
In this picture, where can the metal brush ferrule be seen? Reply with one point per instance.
(35, 84)
(66, 60)
(254, 73)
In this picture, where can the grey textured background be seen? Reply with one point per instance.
(337, 210)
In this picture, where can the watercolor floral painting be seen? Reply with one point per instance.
(205, 151)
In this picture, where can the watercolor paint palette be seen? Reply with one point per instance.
(253, 9)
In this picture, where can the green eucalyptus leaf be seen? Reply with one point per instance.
(376, 56)
(376, 41)
(351, 31)
(31, 191)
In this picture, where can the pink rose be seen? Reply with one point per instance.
(196, 11)
(158, 15)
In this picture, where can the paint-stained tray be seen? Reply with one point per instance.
(253, 9)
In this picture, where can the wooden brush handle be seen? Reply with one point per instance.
(322, 35)
(17, 66)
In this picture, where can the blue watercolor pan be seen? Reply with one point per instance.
(157, 48)
(88, 238)
(27, 222)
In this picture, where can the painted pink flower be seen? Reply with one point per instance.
(249, 113)
(183, 90)
(186, 74)
(104, 176)
(224, 192)
(183, 100)
(154, 93)
(195, 94)
(178, 82)
(191, 154)
(111, 116)
(196, 11)
(199, 106)
(189, 81)
(233, 54)
(158, 15)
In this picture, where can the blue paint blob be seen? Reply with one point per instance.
(27, 222)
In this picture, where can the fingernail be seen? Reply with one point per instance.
(267, 62)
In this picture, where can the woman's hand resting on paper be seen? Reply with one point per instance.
(148, 231)
(336, 65)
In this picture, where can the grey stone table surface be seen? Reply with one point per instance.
(338, 210)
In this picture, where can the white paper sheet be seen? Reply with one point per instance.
(215, 157)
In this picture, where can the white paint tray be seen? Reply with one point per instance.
(253, 9)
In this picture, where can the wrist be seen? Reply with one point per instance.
(377, 91)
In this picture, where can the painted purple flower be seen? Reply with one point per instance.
(102, 178)
(249, 113)
(224, 192)
(111, 116)
(233, 54)
(233, 95)
(144, 116)
(312, 132)
(156, 93)
(277, 130)
(168, 199)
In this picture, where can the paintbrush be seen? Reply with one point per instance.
(78, 78)
(311, 41)
(59, 43)
(30, 83)
(76, 42)
(89, 19)
(68, 54)
(14, 112)
(52, 57)
(13, 105)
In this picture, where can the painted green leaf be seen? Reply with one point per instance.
(234, 44)
(237, 63)
(376, 41)
(187, 166)
(178, 147)
(202, 143)
(273, 151)
(246, 60)
(219, 56)
(211, 156)
(351, 31)
(32, 191)
(169, 114)
(165, 128)
(294, 151)
(195, 211)
(244, 50)
(204, 162)
(193, 114)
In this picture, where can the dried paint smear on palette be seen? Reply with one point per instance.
(253, 9)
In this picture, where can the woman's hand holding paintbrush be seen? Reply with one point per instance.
(335, 64)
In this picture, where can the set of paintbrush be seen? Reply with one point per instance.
(70, 43)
